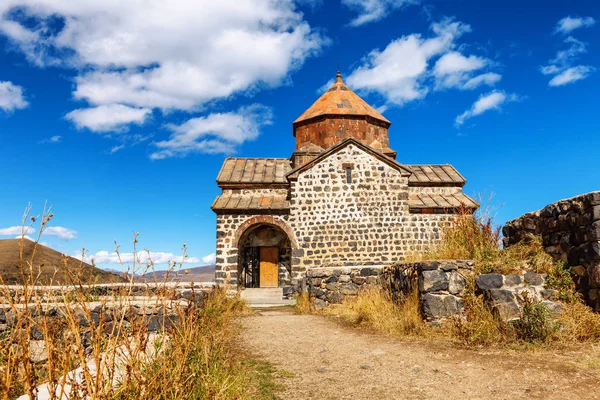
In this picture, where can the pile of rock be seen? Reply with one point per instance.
(570, 231)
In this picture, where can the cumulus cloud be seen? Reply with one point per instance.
(562, 65)
(11, 96)
(16, 230)
(568, 24)
(135, 56)
(454, 70)
(374, 10)
(403, 71)
(486, 102)
(107, 118)
(214, 133)
(209, 259)
(105, 257)
(60, 232)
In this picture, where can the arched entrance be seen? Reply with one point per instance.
(264, 257)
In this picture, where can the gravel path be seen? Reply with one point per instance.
(325, 360)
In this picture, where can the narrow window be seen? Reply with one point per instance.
(348, 175)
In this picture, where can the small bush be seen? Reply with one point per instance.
(560, 278)
(478, 326)
(535, 324)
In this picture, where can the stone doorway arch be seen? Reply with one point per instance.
(263, 246)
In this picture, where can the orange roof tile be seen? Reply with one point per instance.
(340, 100)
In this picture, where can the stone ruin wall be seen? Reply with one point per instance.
(366, 222)
(440, 286)
(570, 231)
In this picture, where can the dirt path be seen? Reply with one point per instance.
(325, 360)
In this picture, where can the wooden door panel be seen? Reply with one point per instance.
(269, 267)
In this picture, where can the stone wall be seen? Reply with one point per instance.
(439, 283)
(333, 284)
(570, 231)
(364, 222)
(111, 319)
(440, 286)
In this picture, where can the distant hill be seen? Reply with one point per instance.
(48, 263)
(204, 273)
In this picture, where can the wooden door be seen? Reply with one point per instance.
(269, 267)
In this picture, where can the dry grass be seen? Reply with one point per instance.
(374, 309)
(475, 237)
(195, 356)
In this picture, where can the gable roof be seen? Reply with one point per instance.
(340, 100)
(292, 175)
(254, 171)
(434, 175)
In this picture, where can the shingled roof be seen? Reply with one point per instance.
(340, 100)
(255, 202)
(434, 175)
(257, 171)
(440, 201)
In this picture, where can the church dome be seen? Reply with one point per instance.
(340, 114)
(340, 100)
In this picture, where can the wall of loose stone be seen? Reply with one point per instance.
(440, 285)
(570, 231)
(331, 285)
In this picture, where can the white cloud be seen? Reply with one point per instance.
(167, 55)
(25, 237)
(490, 79)
(53, 139)
(562, 65)
(105, 257)
(60, 232)
(106, 118)
(402, 72)
(374, 10)
(209, 259)
(570, 75)
(16, 230)
(214, 133)
(486, 102)
(11, 96)
(454, 70)
(568, 24)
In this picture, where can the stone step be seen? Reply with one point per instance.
(265, 293)
(264, 303)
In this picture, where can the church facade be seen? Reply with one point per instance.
(341, 199)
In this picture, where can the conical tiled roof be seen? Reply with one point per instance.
(340, 100)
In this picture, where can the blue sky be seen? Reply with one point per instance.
(119, 114)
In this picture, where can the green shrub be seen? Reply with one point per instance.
(535, 324)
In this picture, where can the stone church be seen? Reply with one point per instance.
(341, 199)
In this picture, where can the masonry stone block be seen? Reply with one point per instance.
(433, 281)
(489, 281)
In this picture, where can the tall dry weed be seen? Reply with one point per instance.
(73, 327)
